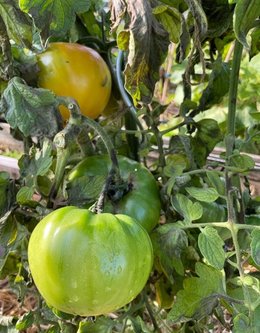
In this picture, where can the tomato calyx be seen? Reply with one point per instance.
(114, 189)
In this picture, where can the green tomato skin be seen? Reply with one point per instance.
(142, 202)
(89, 264)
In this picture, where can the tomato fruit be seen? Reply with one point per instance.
(142, 201)
(74, 70)
(89, 264)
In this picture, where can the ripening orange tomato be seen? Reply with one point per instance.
(77, 71)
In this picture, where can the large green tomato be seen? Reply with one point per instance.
(142, 201)
(74, 70)
(89, 264)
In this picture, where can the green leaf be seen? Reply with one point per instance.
(7, 192)
(241, 324)
(255, 43)
(54, 17)
(53, 329)
(18, 24)
(211, 247)
(203, 194)
(148, 46)
(101, 325)
(170, 18)
(242, 162)
(38, 162)
(216, 181)
(33, 111)
(255, 246)
(169, 242)
(217, 87)
(139, 325)
(85, 189)
(208, 134)
(199, 294)
(246, 11)
(213, 212)
(26, 321)
(25, 195)
(257, 317)
(186, 208)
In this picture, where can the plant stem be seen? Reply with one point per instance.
(219, 225)
(106, 140)
(231, 192)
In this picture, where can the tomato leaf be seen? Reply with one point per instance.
(101, 325)
(255, 246)
(216, 182)
(54, 17)
(199, 295)
(209, 194)
(207, 136)
(38, 162)
(255, 43)
(148, 46)
(33, 111)
(85, 189)
(241, 323)
(246, 11)
(18, 24)
(242, 162)
(170, 18)
(211, 247)
(169, 242)
(217, 87)
(186, 208)
(27, 320)
(139, 325)
(7, 191)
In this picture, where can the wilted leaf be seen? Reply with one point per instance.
(33, 111)
(169, 242)
(211, 247)
(199, 16)
(148, 46)
(197, 294)
(54, 17)
(18, 24)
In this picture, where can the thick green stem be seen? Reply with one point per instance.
(230, 181)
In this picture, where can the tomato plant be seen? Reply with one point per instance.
(77, 71)
(89, 264)
(142, 191)
(180, 71)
